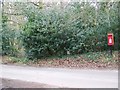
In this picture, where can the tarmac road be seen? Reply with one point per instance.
(63, 77)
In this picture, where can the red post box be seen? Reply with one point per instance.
(110, 39)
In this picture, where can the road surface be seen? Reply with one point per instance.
(70, 78)
(11, 83)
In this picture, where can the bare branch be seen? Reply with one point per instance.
(19, 14)
(13, 22)
(35, 4)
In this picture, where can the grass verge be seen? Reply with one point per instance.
(86, 60)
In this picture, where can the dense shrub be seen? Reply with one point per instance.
(7, 36)
(57, 32)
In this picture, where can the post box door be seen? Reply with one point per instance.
(110, 39)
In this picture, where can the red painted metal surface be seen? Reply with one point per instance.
(110, 39)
